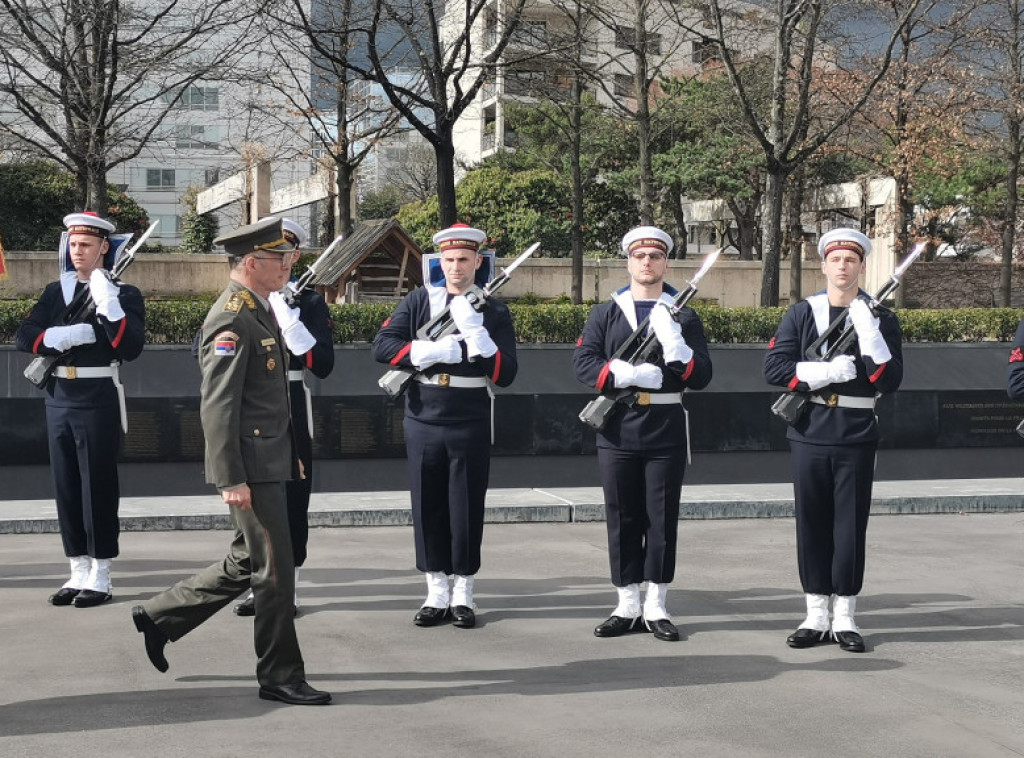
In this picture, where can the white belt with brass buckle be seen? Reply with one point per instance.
(83, 372)
(844, 401)
(296, 375)
(658, 398)
(447, 380)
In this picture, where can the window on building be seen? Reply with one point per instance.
(194, 98)
(211, 176)
(624, 86)
(194, 137)
(169, 224)
(625, 39)
(159, 178)
(704, 51)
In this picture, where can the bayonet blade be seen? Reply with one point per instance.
(142, 240)
(914, 255)
(522, 257)
(709, 261)
(327, 251)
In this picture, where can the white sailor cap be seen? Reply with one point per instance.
(459, 236)
(647, 236)
(844, 239)
(293, 232)
(88, 222)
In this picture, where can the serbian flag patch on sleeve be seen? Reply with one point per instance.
(224, 344)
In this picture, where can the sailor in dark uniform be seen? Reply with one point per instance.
(833, 446)
(246, 417)
(85, 411)
(309, 336)
(1015, 366)
(642, 452)
(448, 420)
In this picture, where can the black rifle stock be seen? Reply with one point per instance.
(79, 310)
(395, 381)
(640, 347)
(791, 405)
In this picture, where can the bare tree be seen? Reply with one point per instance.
(792, 131)
(89, 83)
(344, 117)
(430, 60)
(999, 62)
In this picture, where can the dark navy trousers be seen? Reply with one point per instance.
(641, 495)
(84, 445)
(832, 489)
(449, 467)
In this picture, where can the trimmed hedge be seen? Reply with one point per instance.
(175, 321)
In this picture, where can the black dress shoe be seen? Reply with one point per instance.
(463, 617)
(89, 598)
(427, 616)
(851, 642)
(155, 639)
(247, 607)
(663, 629)
(616, 626)
(807, 638)
(298, 693)
(63, 596)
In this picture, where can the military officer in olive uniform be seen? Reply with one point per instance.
(309, 336)
(249, 455)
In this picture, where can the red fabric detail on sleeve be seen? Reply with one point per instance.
(497, 367)
(579, 340)
(309, 358)
(386, 322)
(771, 343)
(878, 372)
(689, 370)
(120, 333)
(401, 354)
(1016, 355)
(603, 376)
(793, 383)
(38, 342)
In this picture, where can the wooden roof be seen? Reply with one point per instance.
(380, 255)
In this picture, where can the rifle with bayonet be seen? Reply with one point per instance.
(79, 310)
(396, 380)
(640, 348)
(791, 405)
(307, 280)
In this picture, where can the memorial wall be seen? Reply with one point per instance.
(952, 419)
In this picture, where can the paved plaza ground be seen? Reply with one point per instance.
(942, 612)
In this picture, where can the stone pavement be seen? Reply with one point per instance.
(558, 505)
(942, 612)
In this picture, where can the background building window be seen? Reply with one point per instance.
(159, 178)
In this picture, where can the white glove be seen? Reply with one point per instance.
(872, 343)
(471, 326)
(818, 374)
(670, 335)
(66, 337)
(645, 376)
(104, 294)
(296, 335)
(424, 353)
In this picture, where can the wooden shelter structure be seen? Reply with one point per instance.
(377, 261)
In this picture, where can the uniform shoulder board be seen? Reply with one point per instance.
(238, 299)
